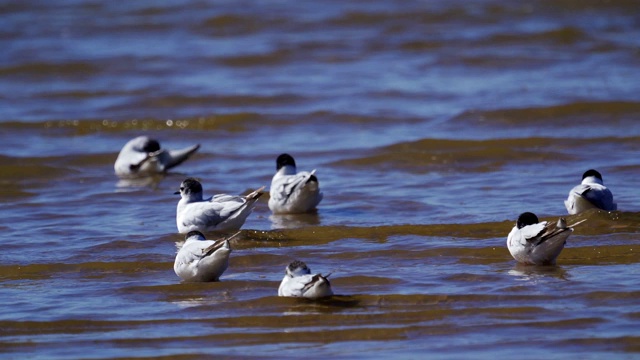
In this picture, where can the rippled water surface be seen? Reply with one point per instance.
(432, 125)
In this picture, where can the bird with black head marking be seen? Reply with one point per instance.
(590, 194)
(532, 242)
(143, 156)
(293, 192)
(221, 212)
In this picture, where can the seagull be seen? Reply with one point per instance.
(298, 282)
(143, 156)
(538, 243)
(202, 260)
(591, 193)
(293, 192)
(221, 212)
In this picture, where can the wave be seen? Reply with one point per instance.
(562, 36)
(598, 223)
(40, 70)
(233, 24)
(178, 100)
(582, 113)
(228, 122)
(428, 155)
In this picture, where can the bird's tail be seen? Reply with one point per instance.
(222, 243)
(578, 223)
(254, 195)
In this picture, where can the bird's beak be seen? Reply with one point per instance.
(176, 193)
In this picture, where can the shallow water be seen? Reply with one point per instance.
(432, 125)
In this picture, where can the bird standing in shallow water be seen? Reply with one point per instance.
(202, 260)
(538, 243)
(143, 156)
(293, 192)
(298, 282)
(219, 213)
(591, 193)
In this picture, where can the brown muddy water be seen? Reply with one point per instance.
(432, 125)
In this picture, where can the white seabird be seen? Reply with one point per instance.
(591, 193)
(143, 156)
(293, 192)
(221, 212)
(298, 282)
(202, 260)
(538, 243)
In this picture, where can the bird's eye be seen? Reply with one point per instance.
(181, 188)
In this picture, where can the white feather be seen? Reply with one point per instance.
(292, 192)
(193, 263)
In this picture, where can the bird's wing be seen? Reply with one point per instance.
(314, 279)
(212, 248)
(532, 233)
(171, 158)
(203, 214)
(194, 251)
(599, 196)
(283, 187)
(294, 286)
(550, 230)
(223, 205)
(580, 189)
(550, 243)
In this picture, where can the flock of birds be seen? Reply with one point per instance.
(530, 241)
